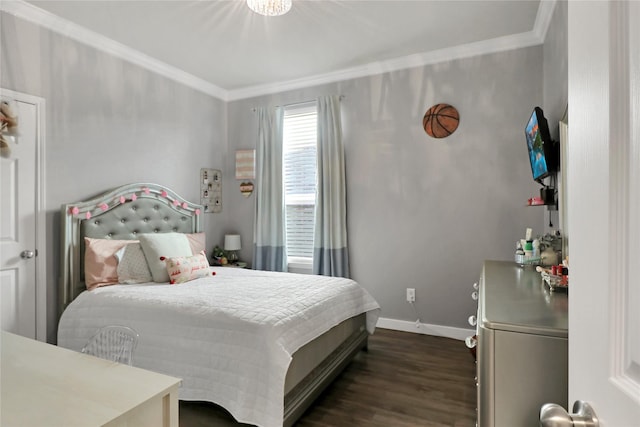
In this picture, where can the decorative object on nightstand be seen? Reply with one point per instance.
(231, 246)
(218, 256)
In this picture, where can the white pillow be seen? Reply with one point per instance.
(132, 265)
(167, 245)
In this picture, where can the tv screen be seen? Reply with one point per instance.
(540, 145)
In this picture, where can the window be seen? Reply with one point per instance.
(299, 175)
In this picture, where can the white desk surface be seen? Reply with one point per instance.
(45, 385)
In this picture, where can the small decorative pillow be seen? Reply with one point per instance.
(132, 265)
(184, 268)
(155, 245)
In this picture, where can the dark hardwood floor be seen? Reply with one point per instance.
(403, 380)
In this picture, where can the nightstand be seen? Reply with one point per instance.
(238, 264)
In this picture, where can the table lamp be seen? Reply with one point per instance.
(232, 245)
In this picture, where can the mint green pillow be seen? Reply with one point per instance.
(168, 245)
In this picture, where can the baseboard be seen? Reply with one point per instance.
(424, 328)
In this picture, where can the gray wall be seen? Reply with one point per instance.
(108, 123)
(555, 69)
(423, 212)
(556, 91)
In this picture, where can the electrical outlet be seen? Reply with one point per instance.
(411, 294)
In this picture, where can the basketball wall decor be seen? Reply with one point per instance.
(441, 120)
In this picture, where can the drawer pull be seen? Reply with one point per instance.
(474, 295)
(471, 342)
(473, 320)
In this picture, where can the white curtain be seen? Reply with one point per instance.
(330, 252)
(269, 248)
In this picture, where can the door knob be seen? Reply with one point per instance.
(552, 415)
(27, 254)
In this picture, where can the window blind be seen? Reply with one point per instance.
(299, 151)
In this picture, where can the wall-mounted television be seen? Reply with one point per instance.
(542, 149)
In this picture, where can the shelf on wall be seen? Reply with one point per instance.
(550, 206)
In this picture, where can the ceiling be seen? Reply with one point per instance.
(223, 48)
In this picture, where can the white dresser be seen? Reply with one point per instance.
(522, 353)
(45, 385)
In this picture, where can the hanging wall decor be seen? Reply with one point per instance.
(245, 164)
(8, 127)
(441, 120)
(246, 170)
(246, 188)
(211, 190)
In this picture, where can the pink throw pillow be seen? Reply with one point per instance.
(100, 262)
(198, 242)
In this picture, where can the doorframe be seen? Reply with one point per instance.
(624, 203)
(40, 214)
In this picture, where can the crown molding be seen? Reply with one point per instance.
(543, 18)
(29, 12)
(499, 44)
(67, 28)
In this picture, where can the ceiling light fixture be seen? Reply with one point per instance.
(269, 7)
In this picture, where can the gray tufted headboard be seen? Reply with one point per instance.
(119, 214)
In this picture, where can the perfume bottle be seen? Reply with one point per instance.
(519, 256)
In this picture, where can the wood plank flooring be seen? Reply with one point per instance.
(403, 380)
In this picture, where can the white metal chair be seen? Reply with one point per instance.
(115, 343)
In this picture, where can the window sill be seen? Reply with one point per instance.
(300, 265)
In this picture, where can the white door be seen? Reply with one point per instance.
(19, 222)
(604, 209)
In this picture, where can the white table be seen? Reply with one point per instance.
(44, 385)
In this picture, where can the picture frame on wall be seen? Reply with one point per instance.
(211, 190)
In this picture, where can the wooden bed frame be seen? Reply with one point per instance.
(127, 211)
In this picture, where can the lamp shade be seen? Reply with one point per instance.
(232, 242)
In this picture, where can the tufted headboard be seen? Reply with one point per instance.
(119, 214)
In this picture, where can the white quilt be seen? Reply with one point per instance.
(229, 337)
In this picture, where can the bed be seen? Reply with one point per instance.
(263, 345)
